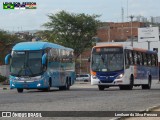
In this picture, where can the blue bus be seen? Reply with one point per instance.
(123, 66)
(40, 65)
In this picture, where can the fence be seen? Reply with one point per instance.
(4, 70)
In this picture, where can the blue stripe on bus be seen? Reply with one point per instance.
(143, 71)
(108, 77)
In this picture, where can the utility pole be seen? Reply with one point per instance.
(80, 64)
(131, 17)
(149, 42)
(127, 10)
(122, 15)
(109, 33)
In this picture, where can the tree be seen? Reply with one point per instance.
(73, 30)
(6, 43)
(46, 35)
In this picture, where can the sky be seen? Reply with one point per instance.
(110, 11)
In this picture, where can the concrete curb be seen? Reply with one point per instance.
(152, 108)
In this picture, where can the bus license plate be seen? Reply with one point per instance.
(25, 85)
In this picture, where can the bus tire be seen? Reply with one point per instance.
(148, 86)
(101, 87)
(49, 86)
(130, 87)
(19, 90)
(67, 85)
(61, 88)
(122, 87)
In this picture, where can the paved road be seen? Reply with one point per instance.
(81, 97)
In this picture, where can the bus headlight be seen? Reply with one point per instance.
(120, 76)
(38, 85)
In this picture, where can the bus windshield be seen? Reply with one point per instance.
(26, 63)
(107, 59)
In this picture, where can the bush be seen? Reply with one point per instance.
(2, 78)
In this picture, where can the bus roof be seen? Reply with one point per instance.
(125, 47)
(37, 46)
(109, 45)
(144, 50)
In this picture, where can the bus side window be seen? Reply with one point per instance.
(141, 62)
(48, 51)
(70, 56)
(51, 55)
(149, 59)
(139, 58)
(144, 59)
(153, 60)
(127, 61)
(135, 58)
(131, 57)
(157, 64)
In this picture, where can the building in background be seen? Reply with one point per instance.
(112, 32)
(119, 31)
(155, 19)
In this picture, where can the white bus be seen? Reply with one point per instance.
(123, 66)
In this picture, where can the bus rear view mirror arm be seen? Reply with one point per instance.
(44, 59)
(7, 59)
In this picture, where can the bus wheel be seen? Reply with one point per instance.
(61, 88)
(19, 90)
(49, 86)
(101, 87)
(130, 87)
(148, 86)
(122, 87)
(67, 85)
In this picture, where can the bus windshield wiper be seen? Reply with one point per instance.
(25, 68)
(30, 70)
(20, 71)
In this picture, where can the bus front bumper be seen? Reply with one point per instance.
(116, 82)
(28, 84)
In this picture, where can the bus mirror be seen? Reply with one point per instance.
(7, 59)
(89, 59)
(44, 59)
